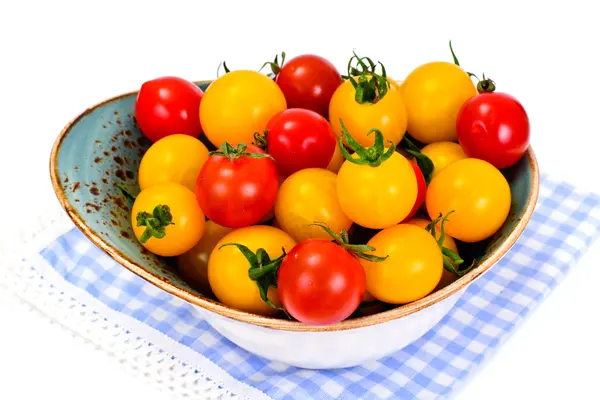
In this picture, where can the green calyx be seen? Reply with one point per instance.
(484, 85)
(232, 153)
(262, 269)
(373, 156)
(369, 85)
(425, 164)
(155, 223)
(261, 140)
(452, 261)
(343, 240)
(275, 65)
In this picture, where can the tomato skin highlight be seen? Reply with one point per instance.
(308, 81)
(478, 194)
(228, 268)
(443, 154)
(176, 158)
(298, 138)
(434, 93)
(239, 192)
(307, 196)
(188, 219)
(388, 115)
(494, 127)
(413, 268)
(320, 283)
(421, 190)
(377, 197)
(238, 104)
(168, 105)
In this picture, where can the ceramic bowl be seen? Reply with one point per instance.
(103, 146)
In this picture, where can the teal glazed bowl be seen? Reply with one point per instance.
(102, 148)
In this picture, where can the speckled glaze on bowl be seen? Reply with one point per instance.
(102, 147)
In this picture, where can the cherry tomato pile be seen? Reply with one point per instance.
(263, 186)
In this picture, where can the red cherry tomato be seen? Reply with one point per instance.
(421, 190)
(298, 138)
(320, 283)
(237, 190)
(308, 81)
(493, 127)
(167, 106)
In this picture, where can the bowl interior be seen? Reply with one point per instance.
(102, 148)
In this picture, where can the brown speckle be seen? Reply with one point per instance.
(110, 122)
(140, 153)
(120, 174)
(76, 168)
(77, 200)
(106, 153)
(126, 160)
(128, 133)
(88, 211)
(98, 142)
(104, 126)
(114, 149)
(114, 222)
(98, 160)
(118, 160)
(119, 202)
(76, 186)
(114, 214)
(116, 113)
(119, 122)
(66, 179)
(94, 206)
(94, 190)
(125, 234)
(128, 143)
(129, 174)
(105, 181)
(107, 173)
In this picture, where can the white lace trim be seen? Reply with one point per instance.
(145, 351)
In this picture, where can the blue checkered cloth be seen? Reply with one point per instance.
(564, 224)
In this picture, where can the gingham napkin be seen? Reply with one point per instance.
(564, 224)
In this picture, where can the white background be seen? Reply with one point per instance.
(57, 58)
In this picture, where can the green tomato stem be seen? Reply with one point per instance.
(367, 90)
(155, 223)
(373, 156)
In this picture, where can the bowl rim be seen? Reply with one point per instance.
(272, 322)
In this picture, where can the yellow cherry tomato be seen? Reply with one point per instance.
(174, 158)
(238, 104)
(167, 220)
(478, 194)
(377, 197)
(388, 114)
(447, 276)
(306, 197)
(337, 159)
(228, 268)
(443, 154)
(193, 264)
(412, 269)
(434, 93)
